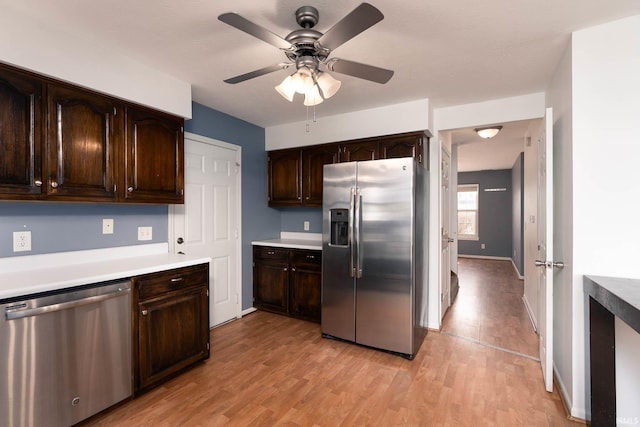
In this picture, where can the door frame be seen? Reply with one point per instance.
(445, 281)
(172, 210)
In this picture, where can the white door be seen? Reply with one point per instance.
(208, 224)
(445, 260)
(545, 247)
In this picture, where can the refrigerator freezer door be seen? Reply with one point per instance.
(385, 290)
(338, 285)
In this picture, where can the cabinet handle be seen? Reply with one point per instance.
(130, 189)
(176, 279)
(54, 184)
(271, 253)
(311, 256)
(144, 312)
(38, 183)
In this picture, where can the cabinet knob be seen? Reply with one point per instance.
(286, 269)
(144, 312)
(54, 184)
(38, 183)
(130, 189)
(293, 269)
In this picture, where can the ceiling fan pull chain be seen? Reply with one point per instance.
(307, 119)
(314, 114)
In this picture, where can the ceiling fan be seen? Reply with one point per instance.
(309, 51)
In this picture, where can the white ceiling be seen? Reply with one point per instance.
(451, 52)
(499, 152)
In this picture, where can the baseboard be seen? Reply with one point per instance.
(498, 258)
(530, 313)
(521, 277)
(248, 311)
(564, 398)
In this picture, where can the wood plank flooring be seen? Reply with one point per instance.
(489, 307)
(267, 369)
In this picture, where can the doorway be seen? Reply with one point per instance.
(209, 224)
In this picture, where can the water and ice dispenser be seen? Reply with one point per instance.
(339, 227)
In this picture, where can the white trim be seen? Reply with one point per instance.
(577, 413)
(238, 150)
(515, 267)
(529, 312)
(500, 258)
(248, 311)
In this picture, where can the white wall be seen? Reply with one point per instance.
(523, 107)
(397, 118)
(606, 237)
(50, 51)
(559, 97)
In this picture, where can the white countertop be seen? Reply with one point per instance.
(41, 273)
(292, 240)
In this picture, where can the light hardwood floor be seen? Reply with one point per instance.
(489, 307)
(267, 369)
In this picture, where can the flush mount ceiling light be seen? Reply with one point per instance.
(488, 132)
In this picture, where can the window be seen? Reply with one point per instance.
(468, 212)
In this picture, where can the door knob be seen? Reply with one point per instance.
(450, 240)
(549, 264)
(180, 240)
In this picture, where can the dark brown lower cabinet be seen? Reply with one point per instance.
(170, 323)
(287, 281)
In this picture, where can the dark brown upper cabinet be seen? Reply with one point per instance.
(20, 135)
(359, 151)
(154, 151)
(409, 145)
(64, 143)
(284, 172)
(313, 161)
(82, 132)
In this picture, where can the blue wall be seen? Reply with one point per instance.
(258, 221)
(62, 227)
(517, 213)
(494, 214)
(292, 219)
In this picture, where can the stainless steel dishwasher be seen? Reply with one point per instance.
(64, 356)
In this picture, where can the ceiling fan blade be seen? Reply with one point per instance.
(360, 18)
(257, 73)
(363, 71)
(255, 30)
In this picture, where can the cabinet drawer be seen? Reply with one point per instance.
(299, 257)
(267, 252)
(151, 285)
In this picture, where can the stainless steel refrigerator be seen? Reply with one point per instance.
(374, 254)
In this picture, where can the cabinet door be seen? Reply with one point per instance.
(81, 144)
(20, 136)
(404, 146)
(284, 177)
(359, 151)
(305, 285)
(270, 285)
(154, 152)
(313, 161)
(173, 333)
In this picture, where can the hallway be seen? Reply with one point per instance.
(489, 308)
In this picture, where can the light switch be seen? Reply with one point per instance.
(107, 226)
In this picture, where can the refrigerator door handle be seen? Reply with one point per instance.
(358, 225)
(352, 241)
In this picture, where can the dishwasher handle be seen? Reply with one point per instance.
(19, 313)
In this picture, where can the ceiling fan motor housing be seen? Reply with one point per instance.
(307, 16)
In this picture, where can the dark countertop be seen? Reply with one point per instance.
(620, 296)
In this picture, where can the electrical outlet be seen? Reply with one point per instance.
(107, 226)
(145, 233)
(482, 246)
(306, 226)
(21, 241)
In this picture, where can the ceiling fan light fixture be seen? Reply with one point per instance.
(328, 85)
(286, 89)
(312, 97)
(302, 80)
(488, 132)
